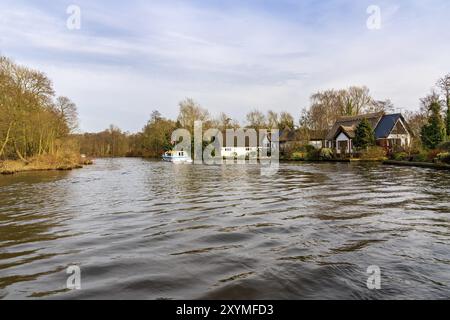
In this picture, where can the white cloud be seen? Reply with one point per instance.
(128, 60)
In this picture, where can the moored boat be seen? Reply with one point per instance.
(177, 157)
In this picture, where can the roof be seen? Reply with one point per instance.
(383, 124)
(316, 135)
(387, 124)
(287, 135)
(349, 131)
(351, 123)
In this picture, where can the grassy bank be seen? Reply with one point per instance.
(44, 163)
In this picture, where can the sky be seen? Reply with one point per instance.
(129, 58)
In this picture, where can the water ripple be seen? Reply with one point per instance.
(147, 229)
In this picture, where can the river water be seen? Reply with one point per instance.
(141, 229)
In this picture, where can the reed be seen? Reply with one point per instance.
(66, 161)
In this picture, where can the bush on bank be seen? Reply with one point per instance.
(374, 153)
(441, 154)
(444, 157)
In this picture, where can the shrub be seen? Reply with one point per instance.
(373, 153)
(326, 154)
(313, 155)
(433, 154)
(306, 148)
(445, 146)
(444, 157)
(400, 156)
(299, 156)
(300, 152)
(420, 157)
(309, 153)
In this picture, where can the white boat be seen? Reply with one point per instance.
(177, 157)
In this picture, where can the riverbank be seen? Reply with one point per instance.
(43, 163)
(354, 160)
(438, 166)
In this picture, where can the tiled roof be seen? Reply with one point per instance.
(386, 125)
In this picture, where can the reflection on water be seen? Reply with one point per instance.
(150, 230)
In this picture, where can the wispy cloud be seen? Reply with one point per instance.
(129, 58)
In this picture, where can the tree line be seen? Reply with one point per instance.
(34, 122)
(429, 123)
(155, 137)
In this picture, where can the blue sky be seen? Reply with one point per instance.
(131, 57)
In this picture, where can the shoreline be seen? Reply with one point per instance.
(11, 167)
(430, 165)
(335, 160)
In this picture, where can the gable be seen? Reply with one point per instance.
(399, 128)
(391, 124)
(342, 137)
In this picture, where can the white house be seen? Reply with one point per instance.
(250, 148)
(239, 152)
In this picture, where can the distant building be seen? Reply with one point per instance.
(391, 132)
(292, 138)
(288, 139)
(232, 149)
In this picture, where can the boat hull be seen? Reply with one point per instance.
(177, 159)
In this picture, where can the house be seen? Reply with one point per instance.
(250, 148)
(288, 139)
(239, 152)
(391, 132)
(316, 138)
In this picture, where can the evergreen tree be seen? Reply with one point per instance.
(364, 135)
(433, 133)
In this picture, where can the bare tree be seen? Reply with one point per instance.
(256, 120)
(286, 121)
(224, 121)
(155, 116)
(385, 106)
(357, 100)
(32, 123)
(190, 112)
(272, 119)
(416, 121)
(325, 107)
(444, 85)
(67, 110)
(427, 101)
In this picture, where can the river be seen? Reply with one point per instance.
(141, 229)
